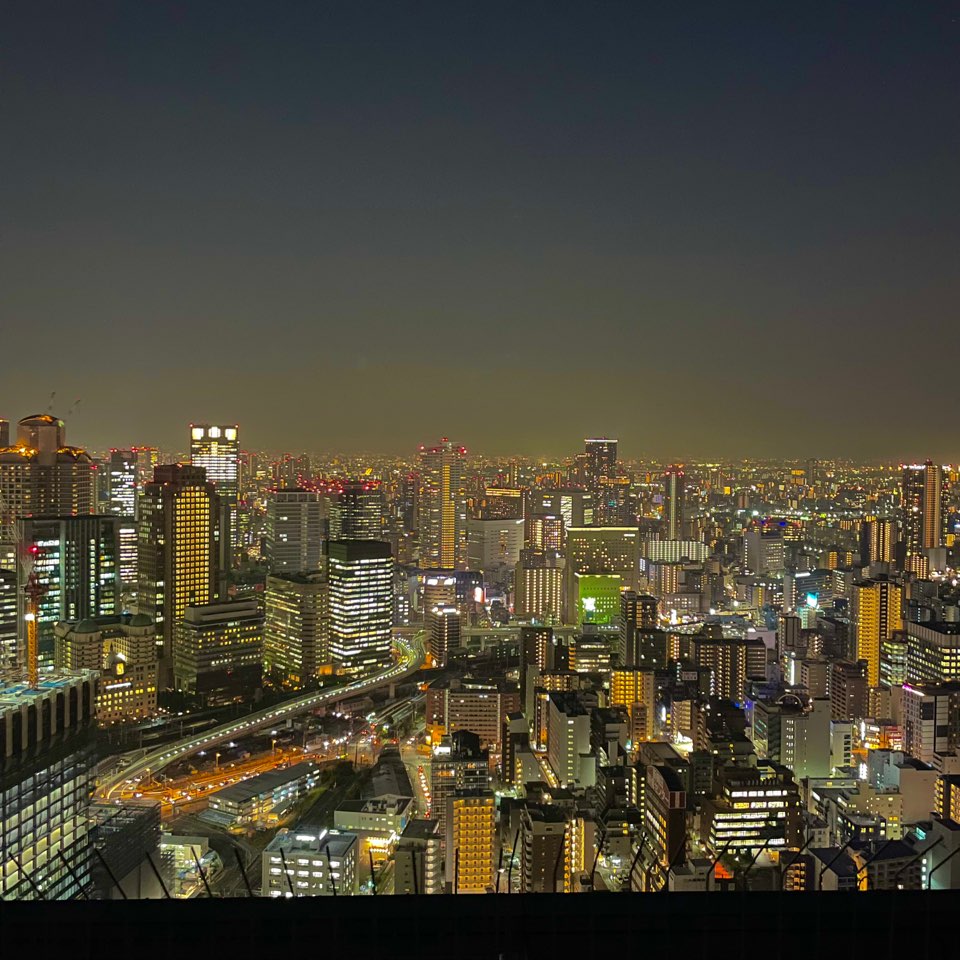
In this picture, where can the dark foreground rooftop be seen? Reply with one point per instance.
(491, 927)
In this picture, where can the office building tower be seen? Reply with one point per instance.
(674, 497)
(931, 719)
(178, 550)
(754, 807)
(443, 633)
(501, 503)
(878, 540)
(357, 512)
(544, 532)
(296, 645)
(311, 863)
(849, 690)
(75, 561)
(48, 760)
(574, 506)
(128, 563)
(538, 586)
(471, 841)
(122, 483)
(479, 706)
(763, 551)
(218, 651)
(417, 859)
(361, 604)
(295, 531)
(932, 652)
(41, 476)
(8, 619)
(217, 450)
(921, 495)
(601, 458)
(664, 821)
(493, 547)
(442, 507)
(600, 475)
(793, 733)
(875, 611)
(600, 550)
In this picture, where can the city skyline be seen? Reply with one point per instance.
(697, 231)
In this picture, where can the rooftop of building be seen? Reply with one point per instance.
(17, 692)
(421, 830)
(265, 782)
(333, 842)
(390, 804)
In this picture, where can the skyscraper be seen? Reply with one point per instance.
(600, 473)
(921, 495)
(293, 541)
(296, 633)
(122, 483)
(876, 606)
(443, 623)
(442, 507)
(356, 512)
(41, 476)
(75, 560)
(217, 450)
(361, 604)
(179, 550)
(673, 502)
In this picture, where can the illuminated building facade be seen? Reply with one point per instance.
(361, 604)
(539, 586)
(122, 483)
(597, 598)
(296, 642)
(443, 626)
(674, 505)
(471, 841)
(356, 512)
(295, 530)
(48, 758)
(307, 863)
(75, 560)
(442, 507)
(636, 691)
(921, 495)
(217, 450)
(875, 608)
(218, 651)
(178, 550)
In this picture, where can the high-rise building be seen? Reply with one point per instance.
(931, 719)
(178, 550)
(544, 833)
(601, 477)
(539, 586)
(493, 547)
(48, 760)
(642, 642)
(921, 495)
(544, 531)
(635, 690)
(217, 450)
(75, 560)
(849, 690)
(443, 637)
(41, 476)
(878, 540)
(458, 763)
(122, 483)
(674, 504)
(356, 512)
(296, 631)
(442, 507)
(295, 530)
(361, 604)
(875, 611)
(218, 651)
(471, 841)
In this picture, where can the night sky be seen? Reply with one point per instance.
(708, 229)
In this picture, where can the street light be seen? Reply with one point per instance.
(273, 747)
(216, 766)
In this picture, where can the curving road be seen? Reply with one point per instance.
(412, 656)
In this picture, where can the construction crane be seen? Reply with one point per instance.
(11, 533)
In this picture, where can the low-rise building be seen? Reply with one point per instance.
(306, 863)
(262, 799)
